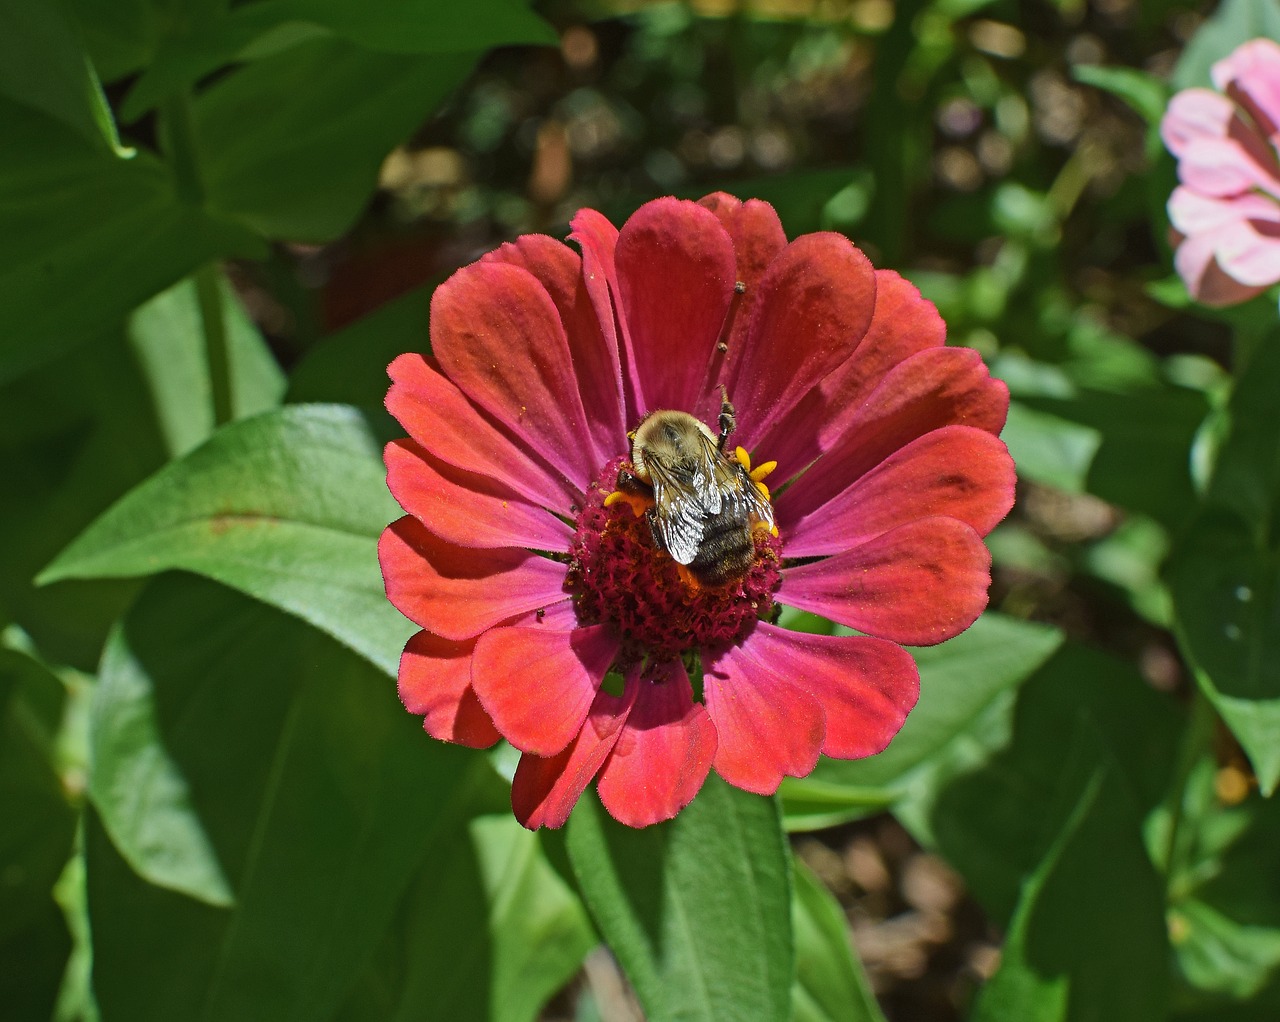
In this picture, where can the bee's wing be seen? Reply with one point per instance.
(740, 492)
(686, 494)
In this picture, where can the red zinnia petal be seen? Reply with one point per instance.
(538, 685)
(594, 353)
(498, 336)
(435, 684)
(956, 471)
(545, 790)
(814, 307)
(458, 593)
(768, 725)
(866, 686)
(663, 754)
(919, 584)
(675, 267)
(465, 508)
(437, 415)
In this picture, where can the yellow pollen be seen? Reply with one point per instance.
(744, 459)
(760, 471)
(764, 490)
(639, 505)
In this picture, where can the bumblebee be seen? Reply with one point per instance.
(706, 503)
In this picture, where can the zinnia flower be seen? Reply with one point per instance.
(553, 614)
(1226, 211)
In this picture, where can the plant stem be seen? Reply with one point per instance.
(1195, 741)
(181, 146)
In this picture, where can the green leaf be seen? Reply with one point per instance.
(1146, 96)
(962, 681)
(516, 932)
(168, 339)
(1233, 23)
(43, 66)
(36, 829)
(318, 794)
(1088, 938)
(286, 507)
(83, 221)
(1050, 449)
(830, 985)
(697, 910)
(292, 144)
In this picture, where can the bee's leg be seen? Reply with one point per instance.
(651, 516)
(728, 419)
(629, 482)
(633, 491)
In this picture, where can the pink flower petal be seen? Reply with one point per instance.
(926, 391)
(1195, 114)
(1223, 167)
(498, 336)
(545, 790)
(1193, 213)
(866, 686)
(675, 280)
(538, 684)
(435, 684)
(599, 241)
(768, 725)
(1249, 252)
(468, 509)
(956, 472)
(815, 305)
(663, 754)
(920, 584)
(594, 356)
(437, 415)
(902, 325)
(1251, 75)
(458, 593)
(1206, 281)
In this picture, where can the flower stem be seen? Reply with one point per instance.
(181, 146)
(1195, 742)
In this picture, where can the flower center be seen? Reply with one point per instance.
(619, 574)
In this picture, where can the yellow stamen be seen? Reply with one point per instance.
(760, 471)
(744, 459)
(764, 490)
(639, 505)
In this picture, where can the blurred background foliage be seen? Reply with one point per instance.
(176, 765)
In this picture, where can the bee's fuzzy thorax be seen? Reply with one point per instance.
(618, 574)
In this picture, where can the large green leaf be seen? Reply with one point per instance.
(962, 681)
(1233, 23)
(287, 507)
(82, 221)
(830, 985)
(697, 910)
(1225, 575)
(168, 338)
(317, 794)
(292, 144)
(42, 65)
(1088, 939)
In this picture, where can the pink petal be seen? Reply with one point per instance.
(902, 325)
(1206, 281)
(768, 725)
(919, 584)
(1251, 75)
(538, 684)
(926, 391)
(1193, 213)
(545, 790)
(1223, 167)
(1249, 252)
(815, 305)
(1195, 114)
(458, 593)
(468, 509)
(956, 471)
(437, 415)
(675, 280)
(866, 686)
(498, 336)
(594, 355)
(599, 241)
(663, 754)
(435, 684)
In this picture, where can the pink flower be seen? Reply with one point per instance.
(1226, 212)
(533, 581)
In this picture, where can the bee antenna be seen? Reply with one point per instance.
(720, 353)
